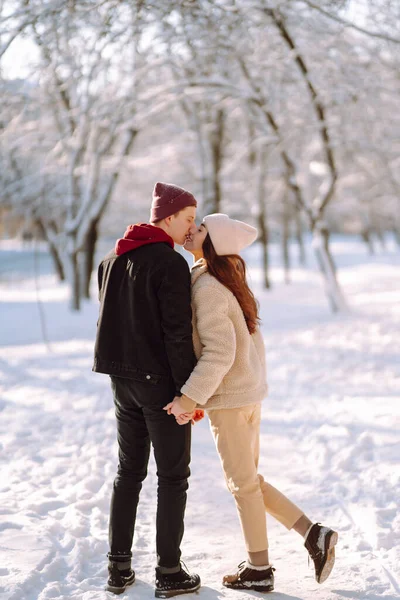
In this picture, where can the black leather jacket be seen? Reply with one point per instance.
(144, 330)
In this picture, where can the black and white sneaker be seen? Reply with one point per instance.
(119, 580)
(174, 584)
(250, 577)
(320, 543)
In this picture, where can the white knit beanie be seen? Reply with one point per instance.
(229, 236)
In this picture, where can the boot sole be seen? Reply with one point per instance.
(330, 544)
(118, 591)
(172, 593)
(254, 588)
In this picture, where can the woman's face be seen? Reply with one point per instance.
(194, 242)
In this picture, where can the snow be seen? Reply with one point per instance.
(329, 440)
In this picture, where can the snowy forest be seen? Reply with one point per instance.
(280, 113)
(284, 111)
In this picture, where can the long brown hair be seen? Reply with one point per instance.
(230, 270)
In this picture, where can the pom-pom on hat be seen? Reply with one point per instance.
(229, 236)
(169, 199)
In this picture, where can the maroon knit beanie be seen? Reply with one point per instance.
(169, 199)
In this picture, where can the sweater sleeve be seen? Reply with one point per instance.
(176, 319)
(260, 347)
(218, 340)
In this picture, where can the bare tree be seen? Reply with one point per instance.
(87, 101)
(319, 92)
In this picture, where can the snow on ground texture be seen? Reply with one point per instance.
(329, 433)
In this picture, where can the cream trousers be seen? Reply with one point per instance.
(236, 433)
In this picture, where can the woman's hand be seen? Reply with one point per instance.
(184, 418)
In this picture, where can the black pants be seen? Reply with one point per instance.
(141, 421)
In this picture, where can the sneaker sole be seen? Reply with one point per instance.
(172, 593)
(118, 590)
(330, 544)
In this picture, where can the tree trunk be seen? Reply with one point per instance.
(262, 214)
(326, 236)
(381, 236)
(88, 257)
(264, 238)
(58, 265)
(290, 173)
(327, 267)
(285, 237)
(299, 233)
(73, 273)
(367, 238)
(216, 139)
(195, 122)
(396, 233)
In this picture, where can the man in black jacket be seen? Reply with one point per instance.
(144, 342)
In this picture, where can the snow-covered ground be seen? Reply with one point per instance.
(330, 440)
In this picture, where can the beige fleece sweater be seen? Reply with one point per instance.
(231, 369)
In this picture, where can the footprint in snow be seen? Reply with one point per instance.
(10, 525)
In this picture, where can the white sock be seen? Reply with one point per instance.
(250, 565)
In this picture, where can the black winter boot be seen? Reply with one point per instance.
(119, 579)
(250, 577)
(174, 584)
(320, 543)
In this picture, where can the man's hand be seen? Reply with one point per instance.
(175, 407)
(181, 413)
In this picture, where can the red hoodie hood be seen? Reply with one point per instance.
(140, 235)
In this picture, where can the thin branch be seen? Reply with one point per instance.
(13, 36)
(32, 20)
(290, 168)
(333, 17)
(59, 84)
(96, 209)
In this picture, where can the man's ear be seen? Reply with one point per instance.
(168, 220)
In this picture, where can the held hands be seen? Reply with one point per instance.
(181, 415)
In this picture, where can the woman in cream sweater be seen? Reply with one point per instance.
(229, 382)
